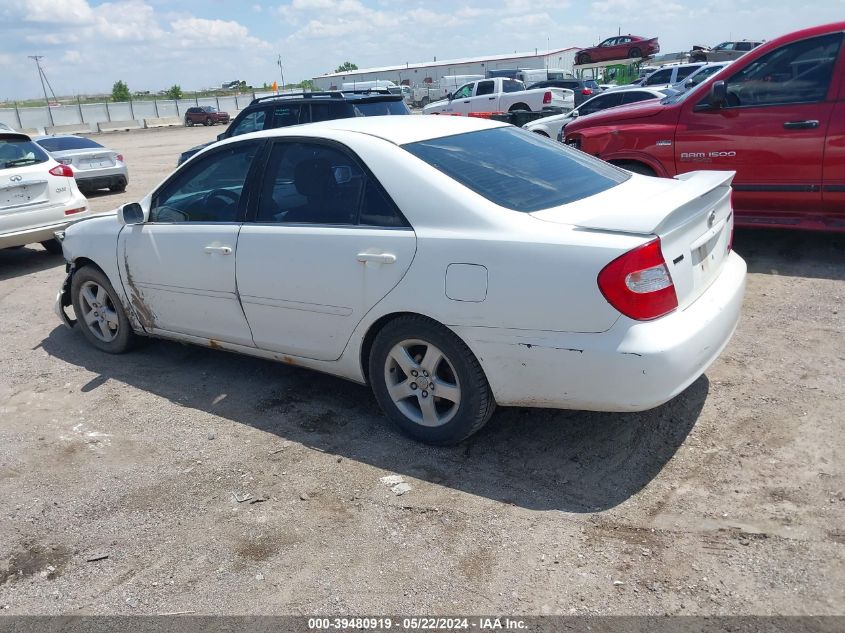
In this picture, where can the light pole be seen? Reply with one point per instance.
(37, 59)
(282, 73)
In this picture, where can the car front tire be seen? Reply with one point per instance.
(99, 313)
(189, 123)
(428, 382)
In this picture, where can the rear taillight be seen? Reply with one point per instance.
(638, 283)
(62, 170)
(119, 157)
(587, 91)
(547, 97)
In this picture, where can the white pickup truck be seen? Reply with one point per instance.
(501, 94)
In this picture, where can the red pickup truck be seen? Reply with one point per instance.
(776, 116)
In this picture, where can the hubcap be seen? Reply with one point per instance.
(422, 382)
(98, 311)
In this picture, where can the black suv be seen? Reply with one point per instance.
(275, 111)
(583, 88)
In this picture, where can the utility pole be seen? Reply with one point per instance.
(282, 73)
(43, 78)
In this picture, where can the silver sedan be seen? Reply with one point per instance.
(94, 166)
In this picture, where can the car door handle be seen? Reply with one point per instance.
(223, 250)
(801, 125)
(381, 258)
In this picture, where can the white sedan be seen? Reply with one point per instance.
(452, 263)
(38, 195)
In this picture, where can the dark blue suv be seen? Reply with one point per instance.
(266, 113)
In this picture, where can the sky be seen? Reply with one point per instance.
(152, 44)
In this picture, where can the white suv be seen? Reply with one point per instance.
(38, 195)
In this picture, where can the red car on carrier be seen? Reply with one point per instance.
(619, 47)
(776, 116)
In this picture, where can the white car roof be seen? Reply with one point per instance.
(394, 129)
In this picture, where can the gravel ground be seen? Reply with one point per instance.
(178, 478)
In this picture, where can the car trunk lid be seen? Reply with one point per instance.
(692, 216)
(84, 159)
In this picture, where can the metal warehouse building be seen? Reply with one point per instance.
(431, 72)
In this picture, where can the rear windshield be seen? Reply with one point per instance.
(380, 108)
(17, 152)
(68, 142)
(517, 169)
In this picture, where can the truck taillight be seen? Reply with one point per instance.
(547, 97)
(638, 283)
(62, 170)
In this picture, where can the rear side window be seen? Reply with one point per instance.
(685, 71)
(329, 111)
(18, 152)
(380, 108)
(660, 77)
(61, 144)
(511, 85)
(289, 114)
(484, 88)
(635, 95)
(517, 169)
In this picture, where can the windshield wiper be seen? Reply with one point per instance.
(20, 162)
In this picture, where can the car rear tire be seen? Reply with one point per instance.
(428, 382)
(118, 188)
(635, 52)
(54, 247)
(99, 313)
(584, 59)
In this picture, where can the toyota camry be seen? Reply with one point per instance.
(453, 264)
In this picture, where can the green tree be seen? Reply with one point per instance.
(306, 84)
(345, 67)
(120, 91)
(174, 92)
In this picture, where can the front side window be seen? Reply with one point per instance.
(517, 169)
(609, 42)
(463, 92)
(724, 46)
(209, 189)
(312, 183)
(19, 152)
(602, 102)
(799, 72)
(252, 122)
(703, 74)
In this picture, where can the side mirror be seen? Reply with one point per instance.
(574, 114)
(449, 96)
(689, 84)
(131, 213)
(718, 94)
(221, 136)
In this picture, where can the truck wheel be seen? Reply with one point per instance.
(425, 101)
(519, 106)
(635, 52)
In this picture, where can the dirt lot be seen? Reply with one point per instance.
(729, 499)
